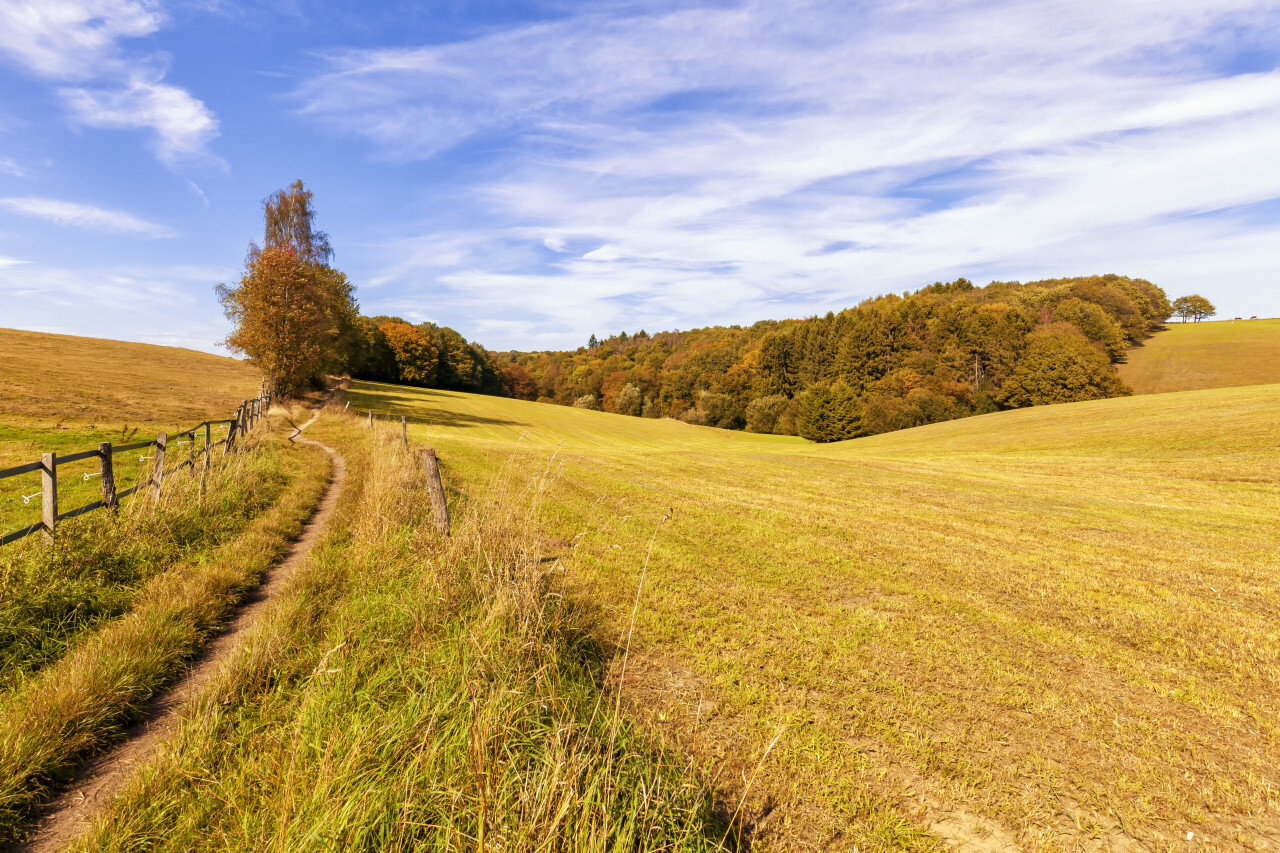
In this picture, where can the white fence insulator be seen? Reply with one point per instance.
(26, 499)
(145, 458)
(95, 474)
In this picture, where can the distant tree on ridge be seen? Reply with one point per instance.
(1194, 306)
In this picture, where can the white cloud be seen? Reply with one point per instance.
(80, 42)
(72, 39)
(183, 125)
(86, 217)
(9, 166)
(692, 166)
(171, 305)
(199, 191)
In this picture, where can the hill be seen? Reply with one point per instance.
(64, 394)
(50, 379)
(1192, 356)
(1049, 628)
(946, 351)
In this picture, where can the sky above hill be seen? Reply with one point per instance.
(531, 173)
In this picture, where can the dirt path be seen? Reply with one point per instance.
(66, 817)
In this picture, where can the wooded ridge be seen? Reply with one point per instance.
(946, 351)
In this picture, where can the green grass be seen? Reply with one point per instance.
(65, 394)
(407, 692)
(1058, 624)
(1195, 356)
(95, 625)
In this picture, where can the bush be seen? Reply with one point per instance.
(763, 413)
(629, 401)
(887, 414)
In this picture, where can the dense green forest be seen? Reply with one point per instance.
(946, 351)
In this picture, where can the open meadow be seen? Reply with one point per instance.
(1046, 629)
(95, 623)
(66, 394)
(1194, 356)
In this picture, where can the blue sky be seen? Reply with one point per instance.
(532, 173)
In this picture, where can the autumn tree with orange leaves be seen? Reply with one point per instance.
(294, 314)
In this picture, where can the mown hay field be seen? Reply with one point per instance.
(1046, 629)
(65, 394)
(1195, 356)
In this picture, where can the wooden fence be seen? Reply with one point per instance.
(430, 467)
(244, 419)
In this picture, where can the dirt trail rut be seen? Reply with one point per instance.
(102, 776)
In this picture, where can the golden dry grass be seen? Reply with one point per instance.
(50, 379)
(66, 394)
(1194, 356)
(405, 692)
(1048, 629)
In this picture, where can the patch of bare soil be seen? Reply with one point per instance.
(104, 775)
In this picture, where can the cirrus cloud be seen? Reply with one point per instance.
(81, 42)
(86, 217)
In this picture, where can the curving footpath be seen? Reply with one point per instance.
(69, 814)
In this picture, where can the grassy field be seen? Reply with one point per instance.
(1196, 356)
(407, 692)
(1047, 629)
(66, 394)
(95, 624)
(61, 379)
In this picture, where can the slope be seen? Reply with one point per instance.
(1192, 356)
(1043, 629)
(65, 394)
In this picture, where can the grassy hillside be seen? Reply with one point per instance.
(1054, 628)
(1193, 356)
(51, 379)
(65, 394)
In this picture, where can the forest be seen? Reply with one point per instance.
(946, 351)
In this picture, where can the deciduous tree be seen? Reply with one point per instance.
(294, 314)
(1194, 306)
(1061, 366)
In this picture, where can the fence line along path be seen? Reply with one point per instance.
(245, 417)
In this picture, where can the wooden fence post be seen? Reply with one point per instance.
(191, 452)
(404, 429)
(439, 508)
(157, 473)
(208, 435)
(49, 493)
(371, 419)
(231, 438)
(108, 476)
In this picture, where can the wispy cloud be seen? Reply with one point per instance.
(183, 125)
(173, 305)
(79, 43)
(86, 217)
(693, 166)
(9, 166)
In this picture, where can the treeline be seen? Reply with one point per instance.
(946, 351)
(390, 349)
(943, 352)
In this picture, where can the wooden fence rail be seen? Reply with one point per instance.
(430, 467)
(244, 419)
